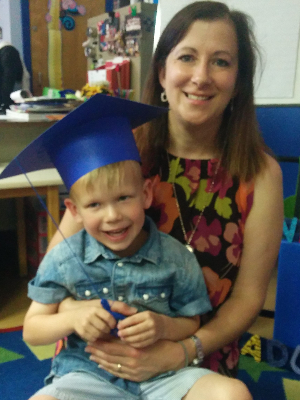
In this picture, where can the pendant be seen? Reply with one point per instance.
(189, 247)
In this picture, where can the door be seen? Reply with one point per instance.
(57, 54)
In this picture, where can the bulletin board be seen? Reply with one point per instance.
(277, 29)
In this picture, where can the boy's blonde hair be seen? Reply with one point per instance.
(109, 175)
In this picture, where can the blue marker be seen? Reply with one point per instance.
(117, 316)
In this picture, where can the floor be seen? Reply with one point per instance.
(14, 303)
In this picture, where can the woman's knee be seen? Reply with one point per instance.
(218, 387)
(237, 390)
(42, 397)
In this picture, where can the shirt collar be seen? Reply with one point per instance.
(150, 251)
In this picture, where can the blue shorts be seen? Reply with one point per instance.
(84, 386)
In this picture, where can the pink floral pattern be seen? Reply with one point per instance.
(206, 238)
(192, 172)
(233, 234)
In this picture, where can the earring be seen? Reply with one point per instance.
(163, 97)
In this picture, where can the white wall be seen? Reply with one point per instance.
(5, 20)
(296, 95)
(16, 25)
(11, 23)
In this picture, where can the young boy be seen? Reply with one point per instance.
(119, 255)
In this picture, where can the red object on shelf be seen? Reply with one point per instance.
(118, 74)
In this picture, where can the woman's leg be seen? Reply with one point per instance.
(43, 397)
(218, 387)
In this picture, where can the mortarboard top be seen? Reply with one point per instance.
(97, 133)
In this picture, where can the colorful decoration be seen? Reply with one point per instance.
(68, 9)
(88, 91)
(56, 18)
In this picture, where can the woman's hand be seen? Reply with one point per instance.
(136, 364)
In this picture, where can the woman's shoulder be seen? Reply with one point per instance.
(271, 171)
(268, 183)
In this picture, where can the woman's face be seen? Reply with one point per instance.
(200, 74)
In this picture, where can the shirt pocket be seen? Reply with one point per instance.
(154, 298)
(86, 291)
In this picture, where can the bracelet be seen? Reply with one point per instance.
(186, 361)
(199, 351)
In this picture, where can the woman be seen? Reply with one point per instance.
(215, 187)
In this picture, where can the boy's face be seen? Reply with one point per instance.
(115, 216)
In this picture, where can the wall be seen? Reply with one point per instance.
(5, 20)
(11, 23)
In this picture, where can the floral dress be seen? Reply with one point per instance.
(218, 239)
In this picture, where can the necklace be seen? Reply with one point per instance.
(189, 240)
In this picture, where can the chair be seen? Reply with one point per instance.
(280, 126)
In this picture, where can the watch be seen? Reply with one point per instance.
(199, 352)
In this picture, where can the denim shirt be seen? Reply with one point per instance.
(163, 276)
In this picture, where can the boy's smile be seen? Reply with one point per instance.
(114, 215)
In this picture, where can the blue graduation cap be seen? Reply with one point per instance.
(97, 133)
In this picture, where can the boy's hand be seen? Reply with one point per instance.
(92, 323)
(142, 329)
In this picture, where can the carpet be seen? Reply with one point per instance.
(22, 370)
(269, 369)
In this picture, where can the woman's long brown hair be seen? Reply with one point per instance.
(239, 136)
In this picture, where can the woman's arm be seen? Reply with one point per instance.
(262, 237)
(68, 226)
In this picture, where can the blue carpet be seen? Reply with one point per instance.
(22, 373)
(274, 375)
(20, 378)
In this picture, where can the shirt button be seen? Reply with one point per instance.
(145, 296)
(120, 298)
(105, 290)
(87, 293)
(163, 295)
(120, 264)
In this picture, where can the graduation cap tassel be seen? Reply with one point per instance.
(58, 228)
